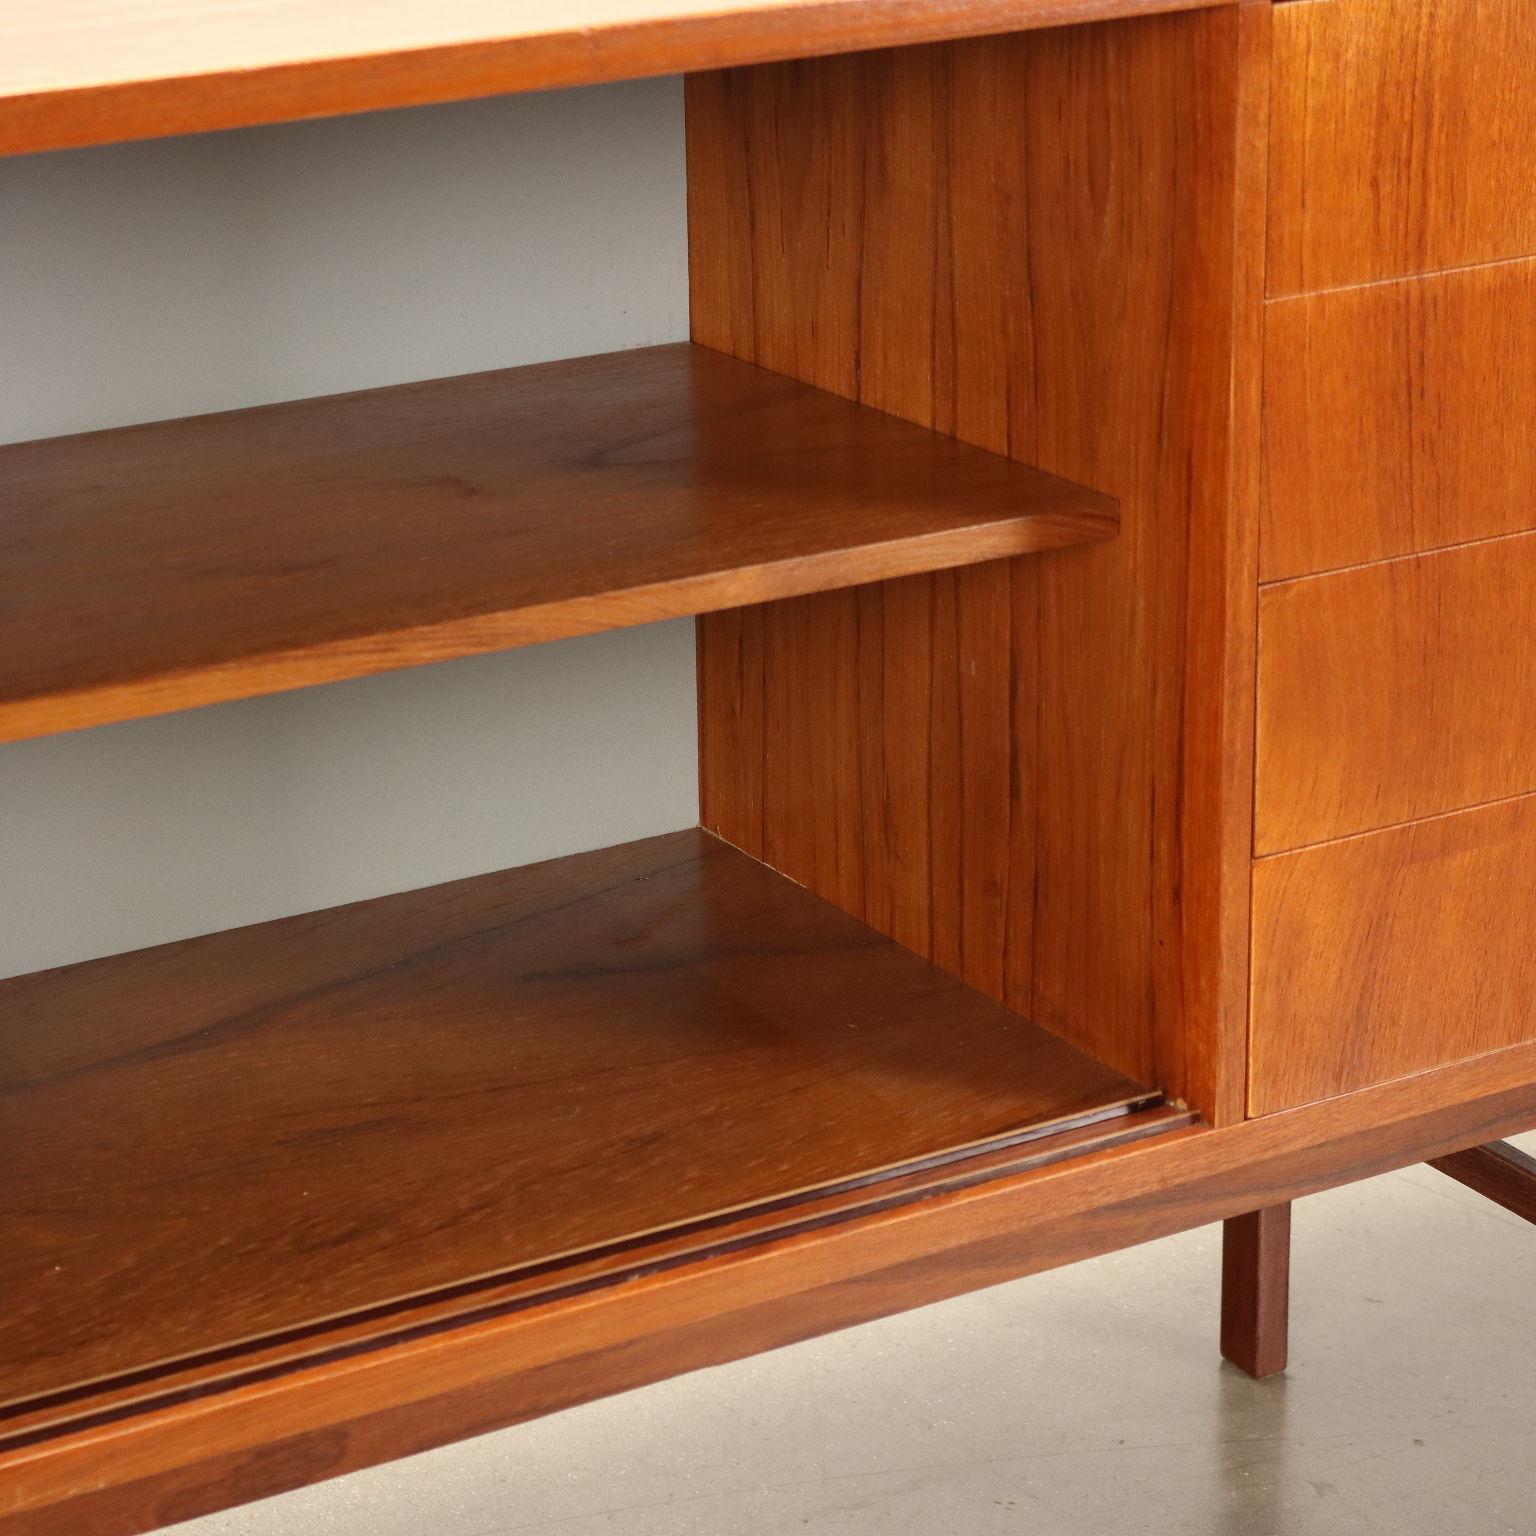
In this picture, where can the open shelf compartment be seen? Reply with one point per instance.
(239, 1145)
(160, 567)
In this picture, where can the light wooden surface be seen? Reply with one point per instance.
(1399, 418)
(1028, 242)
(269, 1435)
(78, 72)
(1384, 955)
(1396, 691)
(1403, 139)
(159, 567)
(237, 1136)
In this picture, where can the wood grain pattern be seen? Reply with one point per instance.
(618, 1264)
(1502, 1172)
(1402, 139)
(159, 567)
(78, 72)
(1398, 418)
(1028, 242)
(1216, 792)
(1396, 691)
(1392, 953)
(1256, 1290)
(260, 1438)
(247, 1133)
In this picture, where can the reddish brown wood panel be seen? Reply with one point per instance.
(1398, 418)
(1396, 691)
(1392, 953)
(620, 1264)
(158, 567)
(241, 1134)
(1402, 139)
(1499, 1171)
(78, 72)
(1256, 1290)
(261, 1438)
(1028, 242)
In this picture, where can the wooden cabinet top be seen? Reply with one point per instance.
(77, 72)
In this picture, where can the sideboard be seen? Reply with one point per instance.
(1103, 473)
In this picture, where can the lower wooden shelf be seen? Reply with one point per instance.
(245, 1149)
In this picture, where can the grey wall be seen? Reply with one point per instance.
(155, 280)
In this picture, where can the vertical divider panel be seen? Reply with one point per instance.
(1030, 242)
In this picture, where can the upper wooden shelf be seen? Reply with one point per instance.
(161, 567)
(213, 1146)
(75, 72)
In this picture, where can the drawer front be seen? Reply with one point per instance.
(1396, 691)
(1402, 138)
(1388, 954)
(1399, 418)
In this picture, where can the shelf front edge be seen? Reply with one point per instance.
(177, 564)
(157, 71)
(368, 655)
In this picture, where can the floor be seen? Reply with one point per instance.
(1087, 1400)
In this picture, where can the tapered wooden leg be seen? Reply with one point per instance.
(1256, 1289)
(1503, 1173)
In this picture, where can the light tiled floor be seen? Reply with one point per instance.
(1088, 1400)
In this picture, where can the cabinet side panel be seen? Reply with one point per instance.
(1028, 242)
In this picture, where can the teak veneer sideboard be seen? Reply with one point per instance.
(1102, 474)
